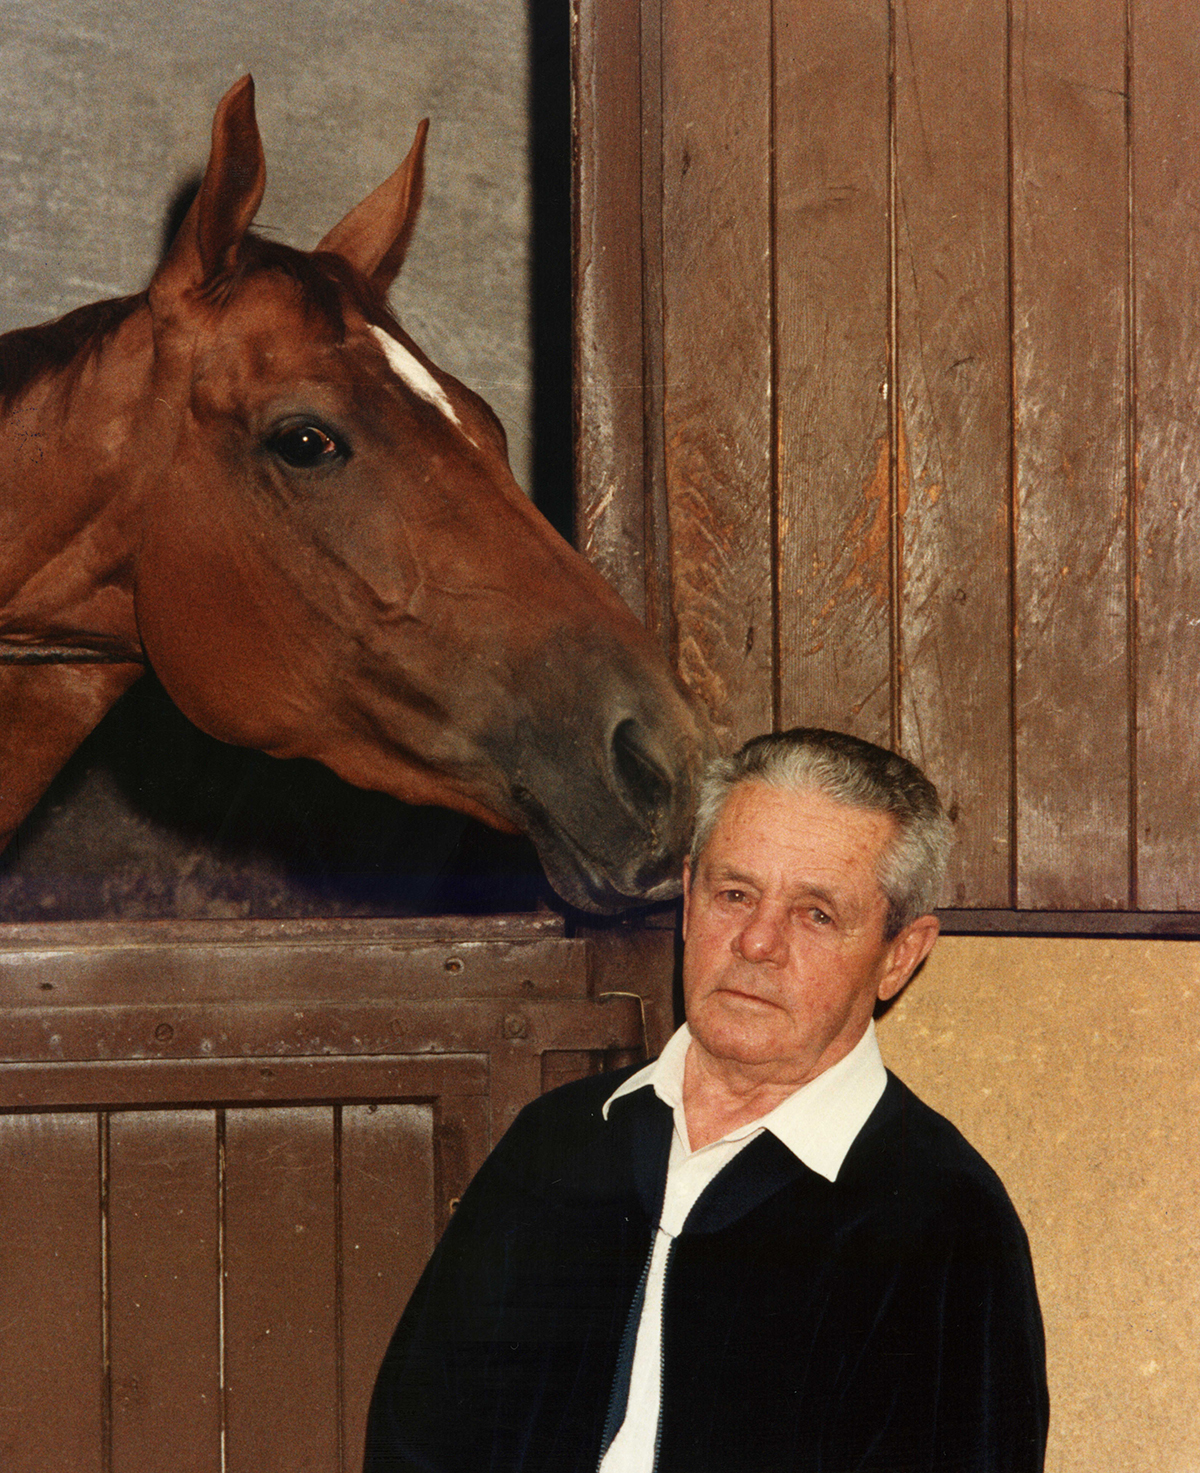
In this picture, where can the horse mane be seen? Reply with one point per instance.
(28, 352)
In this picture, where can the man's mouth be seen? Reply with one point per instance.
(741, 995)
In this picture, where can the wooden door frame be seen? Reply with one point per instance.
(620, 503)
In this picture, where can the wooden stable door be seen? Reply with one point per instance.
(226, 1152)
(888, 367)
(206, 1287)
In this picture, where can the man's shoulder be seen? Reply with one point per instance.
(561, 1149)
(564, 1122)
(578, 1103)
(927, 1161)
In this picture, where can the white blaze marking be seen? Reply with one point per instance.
(414, 373)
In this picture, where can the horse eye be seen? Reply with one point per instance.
(306, 447)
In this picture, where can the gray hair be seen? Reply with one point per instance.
(911, 869)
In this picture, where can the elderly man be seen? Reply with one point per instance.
(760, 1252)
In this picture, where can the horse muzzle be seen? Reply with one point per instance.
(613, 834)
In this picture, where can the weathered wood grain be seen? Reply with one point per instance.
(51, 1305)
(1166, 199)
(660, 609)
(1070, 277)
(611, 511)
(952, 451)
(832, 278)
(388, 1229)
(164, 1313)
(717, 401)
(283, 1394)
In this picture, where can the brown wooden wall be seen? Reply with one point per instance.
(889, 367)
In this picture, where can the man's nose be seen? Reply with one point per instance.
(764, 936)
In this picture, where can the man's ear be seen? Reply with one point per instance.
(906, 953)
(687, 893)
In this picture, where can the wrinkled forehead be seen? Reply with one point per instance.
(759, 812)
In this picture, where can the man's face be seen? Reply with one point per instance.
(783, 921)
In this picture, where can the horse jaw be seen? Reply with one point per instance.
(590, 750)
(603, 779)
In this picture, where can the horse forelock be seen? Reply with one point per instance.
(327, 285)
(27, 353)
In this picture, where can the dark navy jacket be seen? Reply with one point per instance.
(883, 1323)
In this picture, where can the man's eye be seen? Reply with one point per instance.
(820, 917)
(733, 897)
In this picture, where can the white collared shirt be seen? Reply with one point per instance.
(818, 1124)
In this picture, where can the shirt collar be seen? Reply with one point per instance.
(818, 1123)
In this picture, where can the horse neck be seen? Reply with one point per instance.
(48, 710)
(82, 442)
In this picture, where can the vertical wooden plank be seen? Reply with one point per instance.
(281, 1323)
(717, 394)
(1166, 182)
(660, 610)
(832, 251)
(641, 960)
(515, 1076)
(388, 1227)
(608, 293)
(163, 1287)
(51, 1348)
(461, 1141)
(955, 404)
(1070, 270)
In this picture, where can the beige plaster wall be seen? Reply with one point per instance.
(1074, 1066)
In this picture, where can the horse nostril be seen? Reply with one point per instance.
(644, 783)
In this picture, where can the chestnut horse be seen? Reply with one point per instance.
(252, 479)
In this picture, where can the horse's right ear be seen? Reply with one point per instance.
(207, 242)
(374, 236)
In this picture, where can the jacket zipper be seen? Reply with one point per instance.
(625, 1353)
(662, 1353)
(628, 1349)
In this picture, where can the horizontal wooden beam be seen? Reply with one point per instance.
(1182, 925)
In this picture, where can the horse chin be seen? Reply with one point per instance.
(591, 891)
(590, 888)
(589, 882)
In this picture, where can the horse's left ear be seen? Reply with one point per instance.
(207, 242)
(374, 236)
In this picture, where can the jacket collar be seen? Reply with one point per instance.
(818, 1123)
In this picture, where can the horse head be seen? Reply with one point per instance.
(335, 562)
